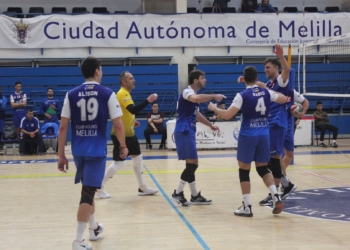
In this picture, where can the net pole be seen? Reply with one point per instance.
(289, 56)
(304, 71)
(299, 70)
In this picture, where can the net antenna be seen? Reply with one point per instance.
(325, 67)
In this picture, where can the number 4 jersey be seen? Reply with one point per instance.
(255, 104)
(89, 107)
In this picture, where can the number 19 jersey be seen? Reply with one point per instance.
(89, 106)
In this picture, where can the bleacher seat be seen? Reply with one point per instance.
(100, 10)
(13, 12)
(58, 10)
(192, 10)
(37, 11)
(290, 9)
(79, 10)
(207, 10)
(332, 9)
(311, 9)
(249, 6)
(276, 9)
(49, 132)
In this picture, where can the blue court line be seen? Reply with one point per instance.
(165, 157)
(188, 224)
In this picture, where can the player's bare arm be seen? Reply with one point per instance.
(205, 98)
(279, 53)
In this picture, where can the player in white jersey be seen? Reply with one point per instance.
(253, 141)
(88, 107)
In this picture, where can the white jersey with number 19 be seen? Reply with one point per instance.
(89, 106)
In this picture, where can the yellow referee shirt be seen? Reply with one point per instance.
(128, 119)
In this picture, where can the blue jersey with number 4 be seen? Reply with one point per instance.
(255, 110)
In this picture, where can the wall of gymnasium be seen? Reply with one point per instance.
(136, 6)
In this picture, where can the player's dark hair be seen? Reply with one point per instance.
(250, 74)
(122, 76)
(318, 102)
(16, 83)
(194, 74)
(274, 61)
(89, 66)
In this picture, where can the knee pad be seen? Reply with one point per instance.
(262, 171)
(87, 195)
(137, 163)
(188, 173)
(275, 167)
(243, 175)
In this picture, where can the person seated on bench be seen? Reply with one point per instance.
(155, 120)
(30, 130)
(322, 124)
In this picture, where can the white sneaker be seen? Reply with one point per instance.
(245, 211)
(94, 233)
(81, 246)
(147, 191)
(102, 194)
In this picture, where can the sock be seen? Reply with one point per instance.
(273, 190)
(111, 170)
(246, 200)
(80, 231)
(181, 186)
(92, 222)
(285, 181)
(137, 164)
(193, 189)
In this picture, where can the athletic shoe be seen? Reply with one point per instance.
(288, 190)
(200, 200)
(267, 201)
(180, 199)
(148, 146)
(81, 246)
(244, 211)
(277, 204)
(322, 145)
(94, 233)
(102, 194)
(147, 191)
(334, 145)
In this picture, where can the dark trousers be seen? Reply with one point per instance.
(150, 131)
(324, 127)
(26, 138)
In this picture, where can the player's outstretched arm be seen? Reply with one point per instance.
(279, 53)
(225, 114)
(134, 109)
(62, 163)
(205, 98)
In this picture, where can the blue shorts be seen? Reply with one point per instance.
(17, 118)
(186, 145)
(289, 141)
(253, 148)
(90, 170)
(277, 137)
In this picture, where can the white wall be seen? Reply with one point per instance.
(280, 4)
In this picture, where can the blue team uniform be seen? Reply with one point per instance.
(45, 105)
(278, 120)
(253, 140)
(185, 128)
(18, 113)
(89, 107)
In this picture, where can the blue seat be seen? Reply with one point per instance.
(49, 132)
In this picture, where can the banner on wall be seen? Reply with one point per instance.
(206, 138)
(183, 30)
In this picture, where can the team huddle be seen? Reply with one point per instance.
(266, 134)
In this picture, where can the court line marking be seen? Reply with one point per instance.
(187, 223)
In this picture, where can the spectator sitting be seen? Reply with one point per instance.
(266, 7)
(49, 107)
(322, 124)
(3, 101)
(222, 105)
(155, 126)
(30, 130)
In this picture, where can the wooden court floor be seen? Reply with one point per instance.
(39, 205)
